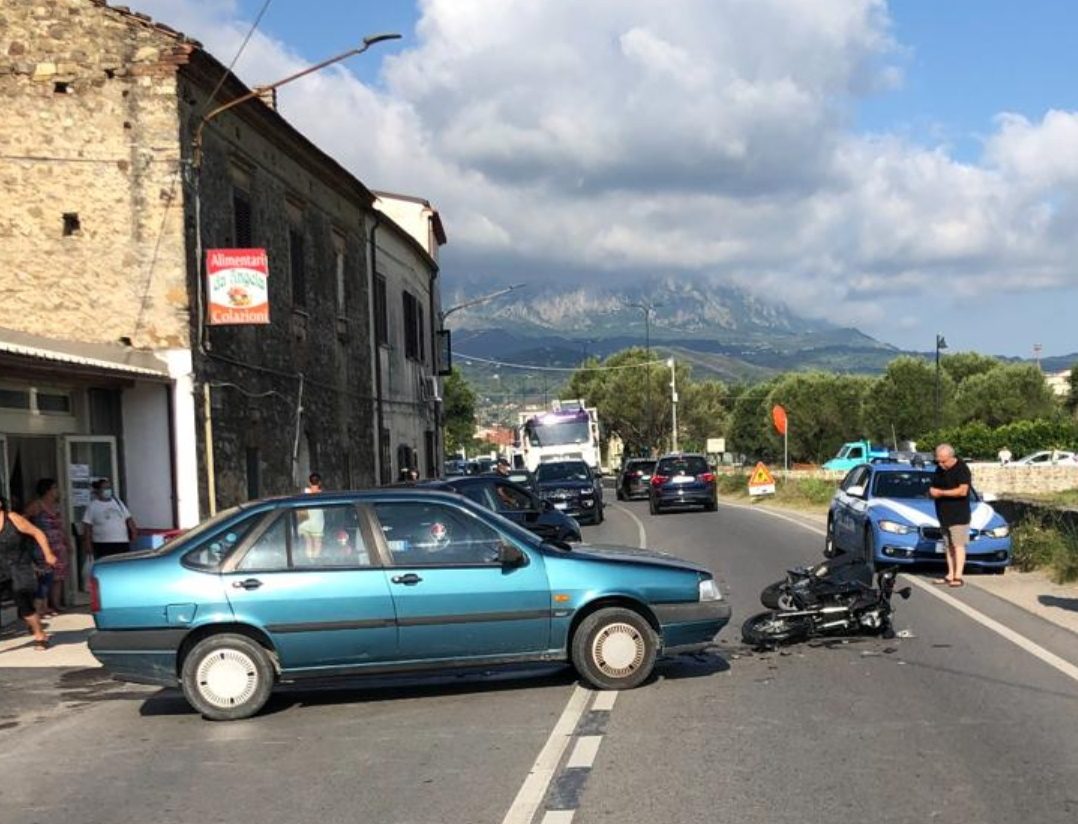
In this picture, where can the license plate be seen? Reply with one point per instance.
(684, 480)
(561, 505)
(941, 547)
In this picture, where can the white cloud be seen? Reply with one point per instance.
(703, 136)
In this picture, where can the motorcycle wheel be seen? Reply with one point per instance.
(777, 597)
(769, 629)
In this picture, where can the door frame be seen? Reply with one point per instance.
(63, 459)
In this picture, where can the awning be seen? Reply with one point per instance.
(104, 357)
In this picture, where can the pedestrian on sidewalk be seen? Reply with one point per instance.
(107, 525)
(18, 559)
(44, 513)
(950, 488)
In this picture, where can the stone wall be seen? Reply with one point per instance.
(90, 130)
(1001, 480)
(255, 371)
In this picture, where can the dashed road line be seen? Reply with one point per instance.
(559, 817)
(583, 754)
(605, 700)
(1032, 647)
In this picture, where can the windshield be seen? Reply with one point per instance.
(902, 484)
(563, 471)
(645, 467)
(557, 434)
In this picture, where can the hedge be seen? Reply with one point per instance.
(980, 442)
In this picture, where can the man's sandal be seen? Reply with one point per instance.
(941, 581)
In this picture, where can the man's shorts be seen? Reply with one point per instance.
(957, 535)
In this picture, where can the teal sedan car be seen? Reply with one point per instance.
(385, 581)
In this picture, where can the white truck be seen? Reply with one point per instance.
(569, 430)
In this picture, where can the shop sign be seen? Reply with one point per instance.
(237, 286)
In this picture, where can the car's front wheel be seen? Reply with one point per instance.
(227, 677)
(614, 649)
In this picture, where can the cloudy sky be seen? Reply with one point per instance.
(904, 167)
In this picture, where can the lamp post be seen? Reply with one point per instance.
(443, 314)
(941, 343)
(647, 308)
(673, 403)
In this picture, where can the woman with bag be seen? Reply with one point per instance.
(18, 560)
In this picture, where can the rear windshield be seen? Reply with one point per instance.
(688, 465)
(641, 466)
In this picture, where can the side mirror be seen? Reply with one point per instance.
(989, 497)
(856, 492)
(545, 505)
(510, 555)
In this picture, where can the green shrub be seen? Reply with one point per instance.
(732, 484)
(808, 490)
(1032, 544)
(975, 440)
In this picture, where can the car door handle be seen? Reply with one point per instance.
(250, 583)
(411, 579)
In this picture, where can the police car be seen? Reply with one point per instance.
(882, 511)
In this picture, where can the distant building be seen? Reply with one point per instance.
(1059, 382)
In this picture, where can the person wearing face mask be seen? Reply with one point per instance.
(107, 525)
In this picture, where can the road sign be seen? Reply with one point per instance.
(716, 446)
(778, 417)
(762, 481)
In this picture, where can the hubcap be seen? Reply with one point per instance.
(227, 677)
(618, 650)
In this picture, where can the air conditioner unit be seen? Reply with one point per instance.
(428, 389)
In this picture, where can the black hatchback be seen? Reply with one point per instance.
(634, 480)
(683, 480)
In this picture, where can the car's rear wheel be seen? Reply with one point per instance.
(614, 649)
(768, 629)
(620, 494)
(599, 514)
(712, 505)
(227, 677)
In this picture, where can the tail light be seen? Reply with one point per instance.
(658, 480)
(95, 594)
(636, 474)
(706, 477)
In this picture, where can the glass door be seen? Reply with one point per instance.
(84, 459)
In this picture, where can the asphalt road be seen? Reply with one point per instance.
(954, 723)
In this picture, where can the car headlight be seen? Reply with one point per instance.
(896, 528)
(709, 590)
(998, 532)
(587, 492)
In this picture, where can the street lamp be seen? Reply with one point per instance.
(673, 403)
(647, 308)
(443, 314)
(258, 91)
(941, 343)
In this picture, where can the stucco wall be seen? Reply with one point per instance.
(102, 146)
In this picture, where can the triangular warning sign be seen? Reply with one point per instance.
(761, 476)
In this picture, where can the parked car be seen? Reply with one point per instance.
(517, 503)
(400, 580)
(1046, 457)
(882, 512)
(681, 480)
(634, 480)
(571, 487)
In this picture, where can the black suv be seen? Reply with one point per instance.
(634, 480)
(571, 488)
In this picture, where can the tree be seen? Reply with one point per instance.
(963, 365)
(702, 413)
(1005, 394)
(458, 413)
(1071, 401)
(902, 402)
(750, 431)
(824, 411)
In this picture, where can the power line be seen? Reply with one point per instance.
(535, 368)
(239, 52)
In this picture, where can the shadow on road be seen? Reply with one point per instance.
(697, 665)
(1070, 604)
(370, 690)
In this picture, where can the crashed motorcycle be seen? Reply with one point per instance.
(850, 608)
(806, 586)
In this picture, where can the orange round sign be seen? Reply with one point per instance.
(778, 415)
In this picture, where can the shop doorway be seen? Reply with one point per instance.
(28, 459)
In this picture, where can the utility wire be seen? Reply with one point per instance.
(465, 356)
(239, 52)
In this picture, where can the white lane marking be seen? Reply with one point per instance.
(583, 754)
(605, 700)
(535, 786)
(559, 817)
(641, 533)
(1032, 647)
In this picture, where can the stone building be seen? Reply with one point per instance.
(107, 207)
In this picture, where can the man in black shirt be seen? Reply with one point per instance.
(950, 489)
